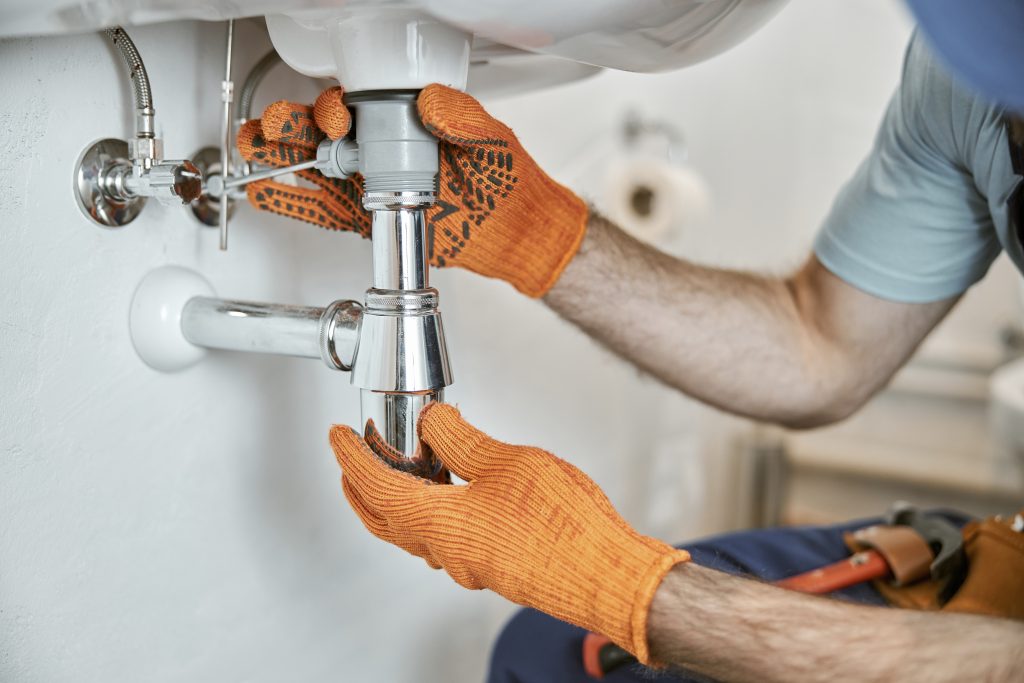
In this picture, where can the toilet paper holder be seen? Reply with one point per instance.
(649, 189)
(636, 129)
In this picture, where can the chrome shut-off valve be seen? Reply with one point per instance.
(112, 183)
(114, 178)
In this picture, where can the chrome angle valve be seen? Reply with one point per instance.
(114, 178)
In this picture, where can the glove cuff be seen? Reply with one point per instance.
(531, 253)
(572, 240)
(646, 589)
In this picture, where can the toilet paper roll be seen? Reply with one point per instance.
(653, 199)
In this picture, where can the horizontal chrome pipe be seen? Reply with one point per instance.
(329, 334)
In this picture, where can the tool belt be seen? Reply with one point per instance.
(994, 580)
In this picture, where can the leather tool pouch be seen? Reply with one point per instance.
(995, 574)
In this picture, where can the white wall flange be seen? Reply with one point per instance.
(154, 319)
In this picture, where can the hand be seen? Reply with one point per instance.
(529, 526)
(497, 213)
(288, 134)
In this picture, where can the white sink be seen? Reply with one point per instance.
(572, 38)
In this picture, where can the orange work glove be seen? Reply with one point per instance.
(497, 213)
(288, 134)
(529, 526)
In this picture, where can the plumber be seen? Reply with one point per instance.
(936, 200)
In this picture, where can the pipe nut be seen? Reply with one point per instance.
(402, 301)
(395, 201)
(338, 158)
(145, 149)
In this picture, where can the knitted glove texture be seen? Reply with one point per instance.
(528, 525)
(497, 213)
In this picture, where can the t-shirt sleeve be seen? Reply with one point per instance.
(911, 225)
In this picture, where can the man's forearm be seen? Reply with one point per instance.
(736, 629)
(800, 351)
(731, 339)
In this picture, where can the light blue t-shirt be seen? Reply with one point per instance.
(925, 215)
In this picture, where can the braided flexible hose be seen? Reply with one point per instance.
(256, 75)
(139, 77)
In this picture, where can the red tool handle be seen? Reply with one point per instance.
(866, 565)
(593, 644)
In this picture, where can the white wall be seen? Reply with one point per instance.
(190, 526)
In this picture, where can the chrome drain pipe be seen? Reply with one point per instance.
(393, 343)
(330, 333)
(401, 363)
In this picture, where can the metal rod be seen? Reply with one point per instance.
(301, 331)
(269, 173)
(227, 95)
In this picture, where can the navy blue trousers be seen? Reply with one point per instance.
(536, 648)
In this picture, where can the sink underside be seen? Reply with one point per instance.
(633, 35)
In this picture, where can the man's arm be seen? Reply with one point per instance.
(736, 629)
(535, 529)
(802, 350)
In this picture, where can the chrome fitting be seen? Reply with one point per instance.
(403, 343)
(329, 334)
(176, 181)
(145, 122)
(167, 181)
(394, 201)
(145, 151)
(339, 327)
